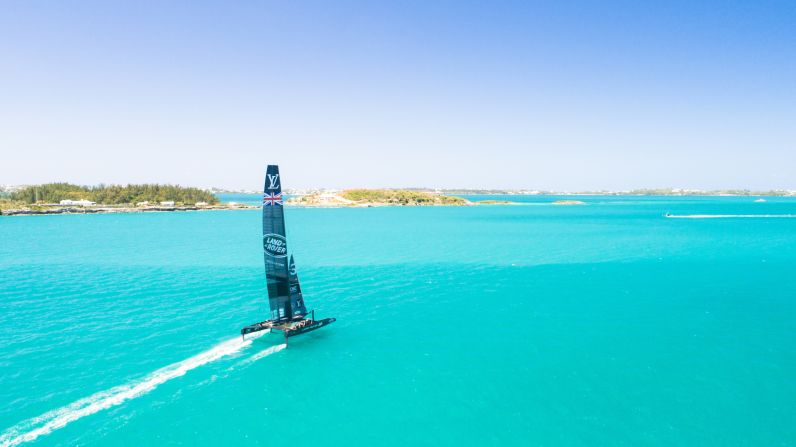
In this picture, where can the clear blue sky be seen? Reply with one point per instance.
(554, 95)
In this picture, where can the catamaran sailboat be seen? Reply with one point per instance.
(288, 312)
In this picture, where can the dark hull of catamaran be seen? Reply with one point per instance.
(256, 327)
(286, 327)
(317, 324)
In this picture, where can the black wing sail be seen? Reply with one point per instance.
(284, 290)
(275, 246)
(296, 298)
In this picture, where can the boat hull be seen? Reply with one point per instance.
(316, 324)
(289, 329)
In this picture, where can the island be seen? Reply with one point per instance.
(66, 198)
(569, 202)
(496, 202)
(629, 192)
(376, 197)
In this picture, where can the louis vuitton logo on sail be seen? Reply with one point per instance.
(273, 181)
(275, 245)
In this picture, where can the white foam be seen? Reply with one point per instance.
(732, 216)
(266, 352)
(46, 423)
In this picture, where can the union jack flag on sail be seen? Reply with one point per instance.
(272, 199)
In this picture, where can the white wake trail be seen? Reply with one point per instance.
(44, 424)
(266, 352)
(732, 216)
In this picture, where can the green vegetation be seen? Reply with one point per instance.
(112, 194)
(6, 204)
(400, 197)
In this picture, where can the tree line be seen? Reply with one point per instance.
(113, 194)
(400, 197)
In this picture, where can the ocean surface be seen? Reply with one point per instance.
(605, 324)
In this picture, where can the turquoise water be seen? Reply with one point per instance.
(245, 199)
(605, 324)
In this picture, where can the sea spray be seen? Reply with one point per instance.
(265, 353)
(44, 424)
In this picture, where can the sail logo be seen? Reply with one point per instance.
(273, 181)
(275, 245)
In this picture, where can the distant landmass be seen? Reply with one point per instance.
(7, 190)
(112, 194)
(499, 192)
(448, 197)
(376, 197)
(568, 202)
(632, 192)
(60, 198)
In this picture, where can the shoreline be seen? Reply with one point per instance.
(107, 209)
(333, 201)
